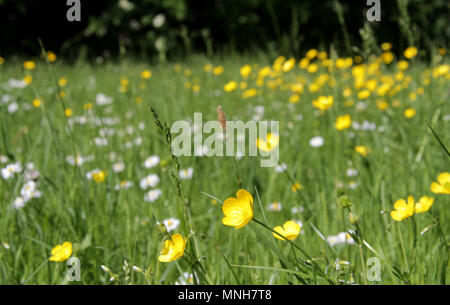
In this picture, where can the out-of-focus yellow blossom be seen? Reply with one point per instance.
(99, 176)
(29, 65)
(270, 143)
(346, 92)
(294, 98)
(2, 60)
(442, 186)
(424, 204)
(62, 94)
(304, 63)
(410, 52)
(323, 102)
(402, 65)
(230, 86)
(343, 122)
(51, 56)
(312, 68)
(387, 57)
(386, 46)
(87, 106)
(349, 103)
(363, 94)
(311, 54)
(187, 72)
(37, 103)
(289, 230)
(138, 100)
(62, 81)
(264, 72)
(146, 74)
(68, 112)
(238, 211)
(409, 113)
(249, 93)
(297, 88)
(62, 252)
(442, 51)
(382, 105)
(403, 210)
(296, 187)
(245, 71)
(172, 249)
(207, 67)
(362, 150)
(288, 65)
(372, 84)
(218, 70)
(28, 79)
(243, 85)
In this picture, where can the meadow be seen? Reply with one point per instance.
(85, 161)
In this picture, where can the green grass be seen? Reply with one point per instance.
(108, 227)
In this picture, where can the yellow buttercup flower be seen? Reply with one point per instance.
(62, 81)
(146, 74)
(218, 70)
(343, 122)
(402, 65)
(409, 113)
(424, 204)
(410, 52)
(323, 102)
(386, 46)
(173, 248)
(62, 252)
(288, 65)
(230, 86)
(443, 184)
(68, 112)
(245, 71)
(362, 150)
(249, 93)
(51, 56)
(290, 230)
(271, 142)
(28, 79)
(29, 65)
(238, 211)
(99, 176)
(296, 187)
(403, 210)
(37, 103)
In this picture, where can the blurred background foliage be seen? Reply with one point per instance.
(161, 29)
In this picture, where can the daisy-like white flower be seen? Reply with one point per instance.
(316, 141)
(171, 223)
(101, 99)
(30, 191)
(280, 167)
(151, 161)
(152, 195)
(11, 169)
(150, 181)
(185, 279)
(118, 167)
(123, 185)
(340, 238)
(186, 173)
(19, 203)
(275, 206)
